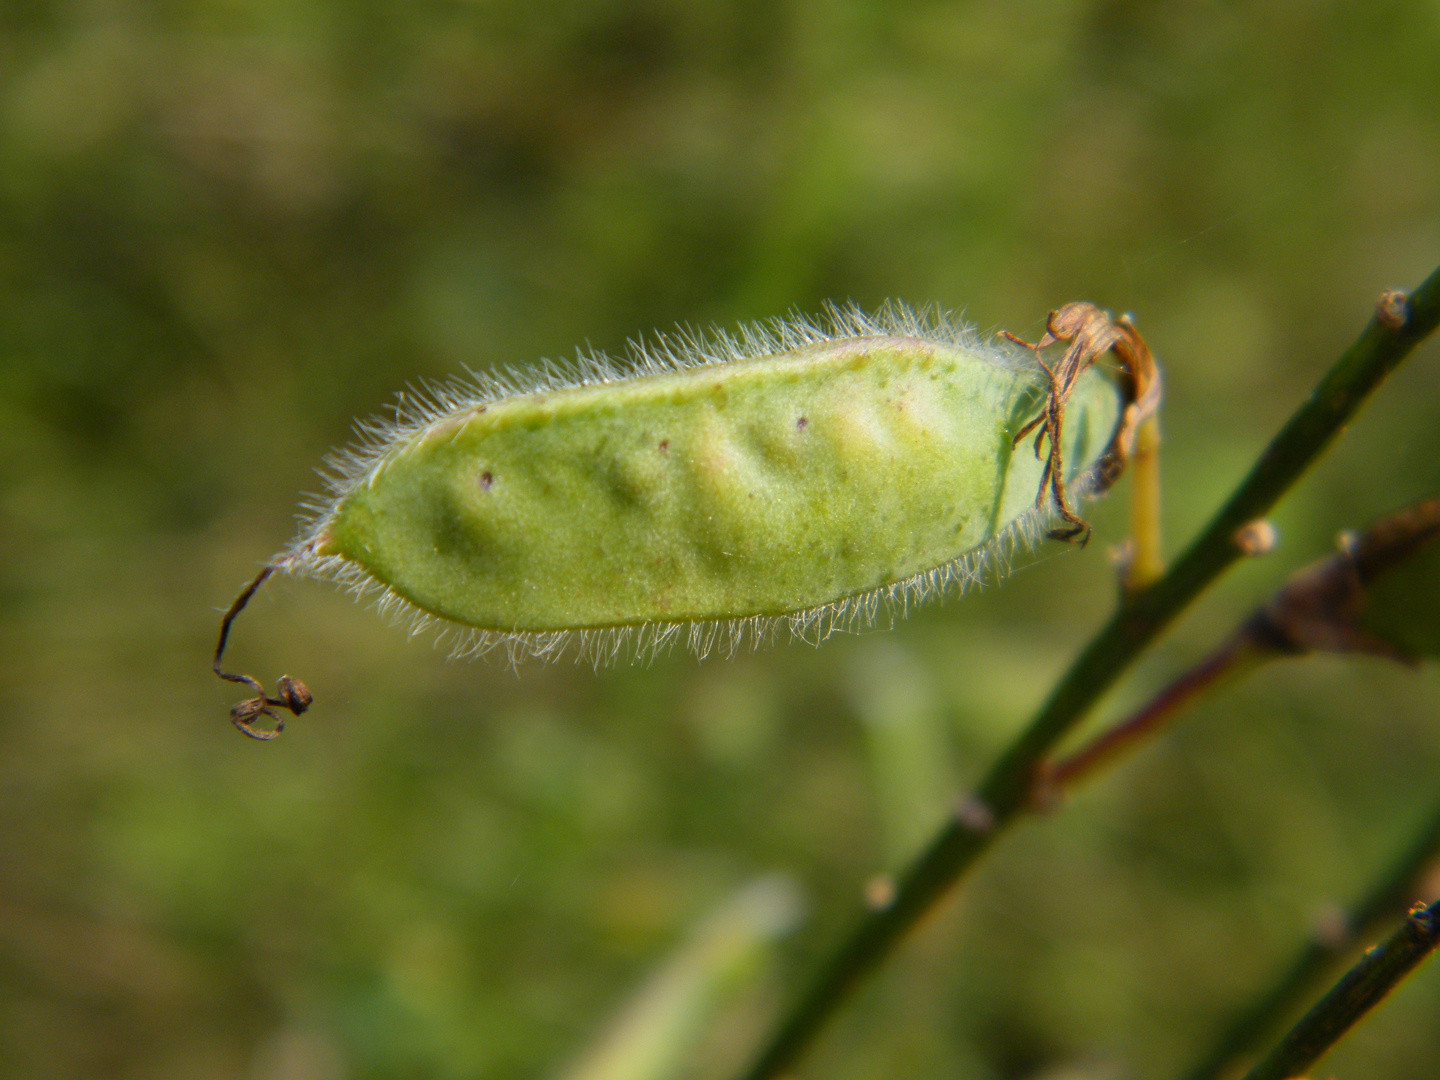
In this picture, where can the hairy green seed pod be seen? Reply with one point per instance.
(802, 471)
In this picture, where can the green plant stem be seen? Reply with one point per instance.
(1391, 895)
(1388, 338)
(1358, 991)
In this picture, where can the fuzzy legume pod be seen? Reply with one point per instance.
(803, 472)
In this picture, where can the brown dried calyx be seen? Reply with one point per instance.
(1089, 333)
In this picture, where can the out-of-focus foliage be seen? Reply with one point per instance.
(228, 227)
(655, 1034)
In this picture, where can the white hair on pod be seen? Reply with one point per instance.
(416, 410)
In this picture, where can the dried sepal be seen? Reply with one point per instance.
(1091, 333)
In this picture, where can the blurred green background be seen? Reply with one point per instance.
(229, 227)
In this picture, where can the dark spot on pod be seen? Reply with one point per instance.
(486, 480)
(801, 424)
(664, 445)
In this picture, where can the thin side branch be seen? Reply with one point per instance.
(1360, 990)
(1388, 897)
(1398, 325)
(1319, 609)
(1238, 654)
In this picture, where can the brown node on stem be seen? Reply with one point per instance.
(1393, 308)
(1091, 334)
(290, 694)
(879, 892)
(974, 815)
(1255, 538)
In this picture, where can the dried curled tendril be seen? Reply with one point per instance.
(787, 474)
(293, 694)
